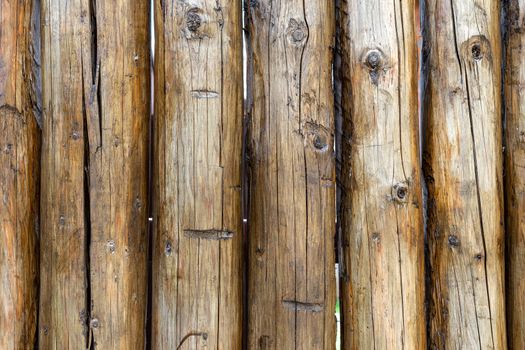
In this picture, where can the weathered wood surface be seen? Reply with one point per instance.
(94, 174)
(515, 173)
(197, 252)
(291, 300)
(463, 170)
(382, 217)
(19, 160)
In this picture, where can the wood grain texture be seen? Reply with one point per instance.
(382, 218)
(197, 252)
(515, 173)
(19, 169)
(463, 170)
(291, 287)
(94, 174)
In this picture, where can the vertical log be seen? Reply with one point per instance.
(382, 219)
(291, 292)
(515, 173)
(19, 160)
(197, 252)
(463, 170)
(94, 173)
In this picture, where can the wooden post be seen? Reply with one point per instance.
(515, 173)
(197, 251)
(19, 171)
(291, 291)
(382, 218)
(94, 173)
(463, 170)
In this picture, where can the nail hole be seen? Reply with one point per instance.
(168, 249)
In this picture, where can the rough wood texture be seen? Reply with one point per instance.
(382, 218)
(291, 300)
(95, 127)
(515, 173)
(463, 170)
(19, 159)
(197, 267)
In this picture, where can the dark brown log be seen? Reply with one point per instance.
(515, 174)
(19, 173)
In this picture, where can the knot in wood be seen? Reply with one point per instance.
(373, 59)
(297, 31)
(319, 142)
(193, 20)
(400, 192)
(453, 241)
(477, 54)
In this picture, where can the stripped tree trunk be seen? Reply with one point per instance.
(19, 160)
(291, 300)
(515, 173)
(197, 251)
(463, 169)
(382, 219)
(94, 173)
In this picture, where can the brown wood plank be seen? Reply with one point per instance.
(382, 282)
(197, 252)
(94, 177)
(515, 173)
(291, 287)
(19, 173)
(463, 170)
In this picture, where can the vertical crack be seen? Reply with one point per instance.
(480, 212)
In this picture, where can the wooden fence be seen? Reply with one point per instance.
(287, 137)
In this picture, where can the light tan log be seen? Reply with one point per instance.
(382, 218)
(463, 170)
(19, 171)
(291, 292)
(515, 173)
(197, 266)
(94, 174)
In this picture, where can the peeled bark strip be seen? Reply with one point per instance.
(515, 173)
(463, 169)
(382, 219)
(19, 160)
(94, 173)
(291, 292)
(197, 252)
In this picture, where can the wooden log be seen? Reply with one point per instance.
(197, 249)
(94, 173)
(291, 287)
(463, 170)
(19, 173)
(515, 173)
(382, 282)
